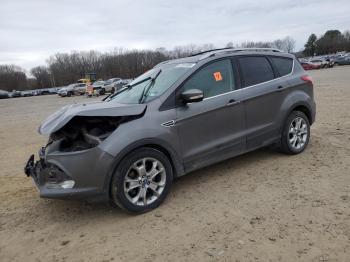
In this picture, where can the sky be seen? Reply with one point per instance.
(32, 30)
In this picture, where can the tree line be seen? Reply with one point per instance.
(12, 77)
(65, 68)
(331, 42)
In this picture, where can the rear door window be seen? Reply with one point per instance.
(255, 70)
(283, 65)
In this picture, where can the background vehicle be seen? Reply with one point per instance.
(180, 116)
(65, 91)
(79, 89)
(43, 91)
(72, 89)
(345, 60)
(4, 94)
(97, 88)
(322, 63)
(15, 93)
(109, 85)
(27, 93)
(53, 90)
(121, 83)
(310, 66)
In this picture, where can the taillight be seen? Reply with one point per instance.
(307, 79)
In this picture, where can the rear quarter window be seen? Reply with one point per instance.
(255, 70)
(283, 65)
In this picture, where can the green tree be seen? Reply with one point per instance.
(310, 46)
(331, 42)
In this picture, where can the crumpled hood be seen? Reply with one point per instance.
(60, 118)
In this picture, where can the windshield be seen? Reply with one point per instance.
(164, 77)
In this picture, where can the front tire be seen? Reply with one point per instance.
(296, 133)
(142, 180)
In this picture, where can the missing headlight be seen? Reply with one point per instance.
(82, 133)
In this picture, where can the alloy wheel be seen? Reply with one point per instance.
(145, 181)
(298, 133)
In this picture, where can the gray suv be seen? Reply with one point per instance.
(180, 116)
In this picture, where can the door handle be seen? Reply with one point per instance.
(232, 102)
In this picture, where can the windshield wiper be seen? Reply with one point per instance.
(148, 86)
(127, 87)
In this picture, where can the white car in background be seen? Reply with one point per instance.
(109, 85)
(72, 89)
(321, 62)
(121, 83)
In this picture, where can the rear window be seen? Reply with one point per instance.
(255, 70)
(283, 65)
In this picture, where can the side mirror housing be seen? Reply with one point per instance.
(192, 96)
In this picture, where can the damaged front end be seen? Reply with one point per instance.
(47, 174)
(83, 133)
(72, 165)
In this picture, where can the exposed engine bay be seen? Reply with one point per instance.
(82, 132)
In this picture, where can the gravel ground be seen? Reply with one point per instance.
(262, 206)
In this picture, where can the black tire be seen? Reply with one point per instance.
(69, 94)
(113, 90)
(286, 146)
(117, 192)
(102, 91)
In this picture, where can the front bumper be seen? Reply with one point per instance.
(71, 175)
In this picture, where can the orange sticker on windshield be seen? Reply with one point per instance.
(217, 76)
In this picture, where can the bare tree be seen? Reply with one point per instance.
(12, 77)
(42, 76)
(68, 68)
(251, 44)
(289, 44)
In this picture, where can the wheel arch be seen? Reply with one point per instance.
(297, 100)
(157, 144)
(303, 108)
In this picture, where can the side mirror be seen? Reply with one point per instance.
(192, 96)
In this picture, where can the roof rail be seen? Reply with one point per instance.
(213, 52)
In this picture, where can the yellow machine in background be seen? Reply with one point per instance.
(88, 79)
(84, 81)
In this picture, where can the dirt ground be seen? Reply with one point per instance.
(262, 206)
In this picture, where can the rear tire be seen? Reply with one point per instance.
(295, 134)
(142, 180)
